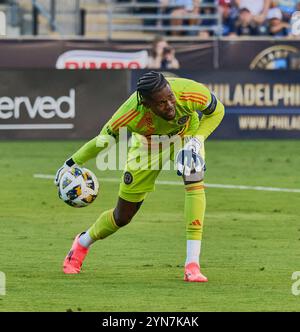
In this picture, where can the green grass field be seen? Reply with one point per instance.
(250, 247)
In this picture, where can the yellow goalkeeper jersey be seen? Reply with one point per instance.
(191, 99)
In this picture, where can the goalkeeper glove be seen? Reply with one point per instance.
(189, 159)
(61, 171)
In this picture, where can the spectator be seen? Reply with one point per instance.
(294, 23)
(276, 26)
(169, 60)
(245, 24)
(179, 8)
(162, 56)
(229, 14)
(257, 8)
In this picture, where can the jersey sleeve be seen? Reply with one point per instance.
(88, 151)
(200, 100)
(109, 134)
(210, 122)
(124, 117)
(195, 96)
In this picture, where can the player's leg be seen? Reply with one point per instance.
(194, 211)
(110, 221)
(133, 190)
(107, 224)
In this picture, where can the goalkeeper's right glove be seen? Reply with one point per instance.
(61, 171)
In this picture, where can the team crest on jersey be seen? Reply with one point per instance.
(128, 177)
(183, 120)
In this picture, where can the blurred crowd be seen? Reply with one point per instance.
(257, 17)
(239, 17)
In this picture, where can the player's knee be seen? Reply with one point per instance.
(194, 177)
(125, 211)
(122, 218)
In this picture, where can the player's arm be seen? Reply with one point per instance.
(199, 98)
(211, 118)
(108, 135)
(91, 149)
(88, 151)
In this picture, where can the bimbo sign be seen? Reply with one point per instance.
(84, 59)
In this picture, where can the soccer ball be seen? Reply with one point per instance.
(78, 187)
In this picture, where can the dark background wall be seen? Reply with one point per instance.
(63, 104)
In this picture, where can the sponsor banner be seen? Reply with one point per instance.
(258, 104)
(249, 126)
(83, 59)
(92, 54)
(222, 54)
(63, 104)
(270, 54)
(58, 104)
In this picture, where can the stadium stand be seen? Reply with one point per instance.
(104, 19)
(144, 19)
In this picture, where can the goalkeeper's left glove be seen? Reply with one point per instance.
(62, 170)
(189, 159)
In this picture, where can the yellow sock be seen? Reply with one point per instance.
(104, 226)
(194, 210)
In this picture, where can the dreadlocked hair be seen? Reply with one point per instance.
(149, 83)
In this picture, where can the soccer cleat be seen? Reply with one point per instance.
(192, 273)
(74, 259)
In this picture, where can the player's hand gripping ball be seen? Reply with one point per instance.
(78, 187)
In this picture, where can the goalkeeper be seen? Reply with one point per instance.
(160, 106)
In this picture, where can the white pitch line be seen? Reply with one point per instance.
(37, 126)
(178, 183)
